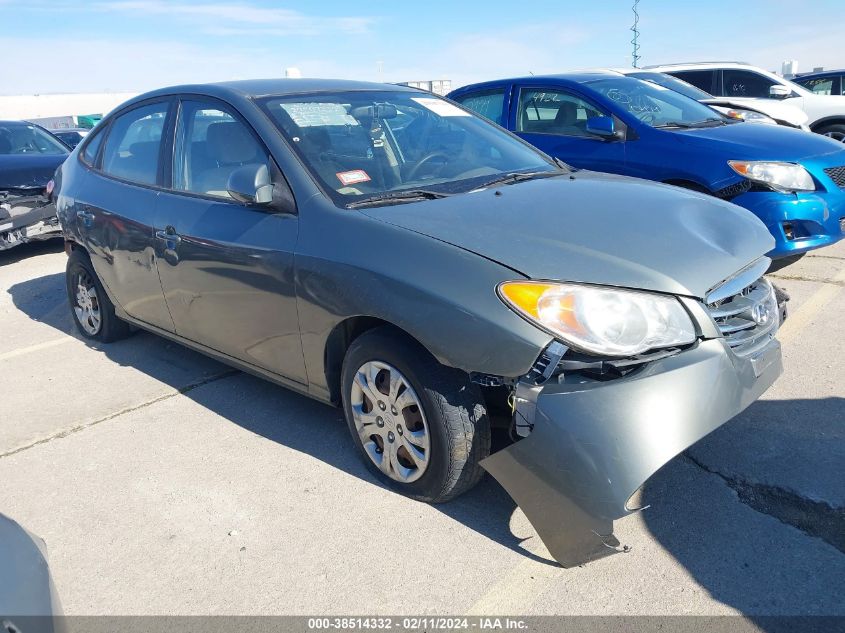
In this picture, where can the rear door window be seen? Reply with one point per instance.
(701, 79)
(133, 145)
(489, 103)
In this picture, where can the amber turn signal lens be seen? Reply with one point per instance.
(524, 295)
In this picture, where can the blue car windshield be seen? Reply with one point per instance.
(655, 105)
(673, 83)
(377, 144)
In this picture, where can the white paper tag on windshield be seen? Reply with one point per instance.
(438, 106)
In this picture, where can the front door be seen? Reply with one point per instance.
(555, 121)
(227, 268)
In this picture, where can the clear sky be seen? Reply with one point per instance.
(136, 45)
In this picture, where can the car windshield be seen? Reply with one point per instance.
(655, 105)
(673, 83)
(28, 139)
(389, 145)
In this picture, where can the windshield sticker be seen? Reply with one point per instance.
(438, 106)
(318, 114)
(352, 177)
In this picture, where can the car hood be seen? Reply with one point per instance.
(26, 171)
(596, 228)
(749, 141)
(774, 109)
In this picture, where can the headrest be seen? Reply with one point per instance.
(230, 142)
(567, 113)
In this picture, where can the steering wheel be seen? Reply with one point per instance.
(424, 161)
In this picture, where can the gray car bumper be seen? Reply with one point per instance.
(594, 445)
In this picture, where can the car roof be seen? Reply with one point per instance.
(821, 73)
(70, 129)
(251, 88)
(704, 65)
(568, 78)
(247, 89)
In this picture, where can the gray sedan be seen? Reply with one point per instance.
(384, 250)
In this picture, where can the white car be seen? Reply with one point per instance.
(749, 84)
(765, 111)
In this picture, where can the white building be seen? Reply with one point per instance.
(28, 107)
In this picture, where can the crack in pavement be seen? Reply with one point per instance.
(833, 282)
(181, 390)
(814, 518)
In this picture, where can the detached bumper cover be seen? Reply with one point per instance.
(26, 218)
(594, 445)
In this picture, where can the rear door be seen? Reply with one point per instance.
(226, 267)
(115, 209)
(555, 120)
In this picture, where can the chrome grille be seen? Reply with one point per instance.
(837, 175)
(748, 319)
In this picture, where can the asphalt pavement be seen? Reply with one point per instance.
(166, 483)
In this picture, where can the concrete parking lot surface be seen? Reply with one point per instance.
(166, 483)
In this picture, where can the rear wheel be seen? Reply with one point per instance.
(835, 131)
(420, 426)
(92, 311)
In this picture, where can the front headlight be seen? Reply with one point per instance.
(750, 116)
(603, 321)
(784, 177)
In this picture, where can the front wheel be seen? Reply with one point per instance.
(420, 426)
(836, 132)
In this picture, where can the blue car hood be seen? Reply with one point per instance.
(755, 141)
(596, 228)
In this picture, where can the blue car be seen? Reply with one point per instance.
(603, 121)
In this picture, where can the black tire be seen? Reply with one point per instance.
(110, 327)
(454, 409)
(835, 131)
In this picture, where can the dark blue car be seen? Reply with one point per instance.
(603, 121)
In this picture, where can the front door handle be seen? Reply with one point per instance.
(170, 236)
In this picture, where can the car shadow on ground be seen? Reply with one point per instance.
(30, 249)
(486, 509)
(693, 514)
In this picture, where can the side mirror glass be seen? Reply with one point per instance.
(251, 184)
(603, 126)
(779, 92)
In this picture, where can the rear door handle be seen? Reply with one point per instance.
(86, 216)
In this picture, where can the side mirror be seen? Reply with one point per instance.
(602, 126)
(779, 92)
(251, 184)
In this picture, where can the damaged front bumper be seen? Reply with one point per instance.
(26, 218)
(595, 443)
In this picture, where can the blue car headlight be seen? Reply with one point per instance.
(785, 177)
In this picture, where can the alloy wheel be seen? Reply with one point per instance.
(87, 304)
(390, 421)
(836, 136)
